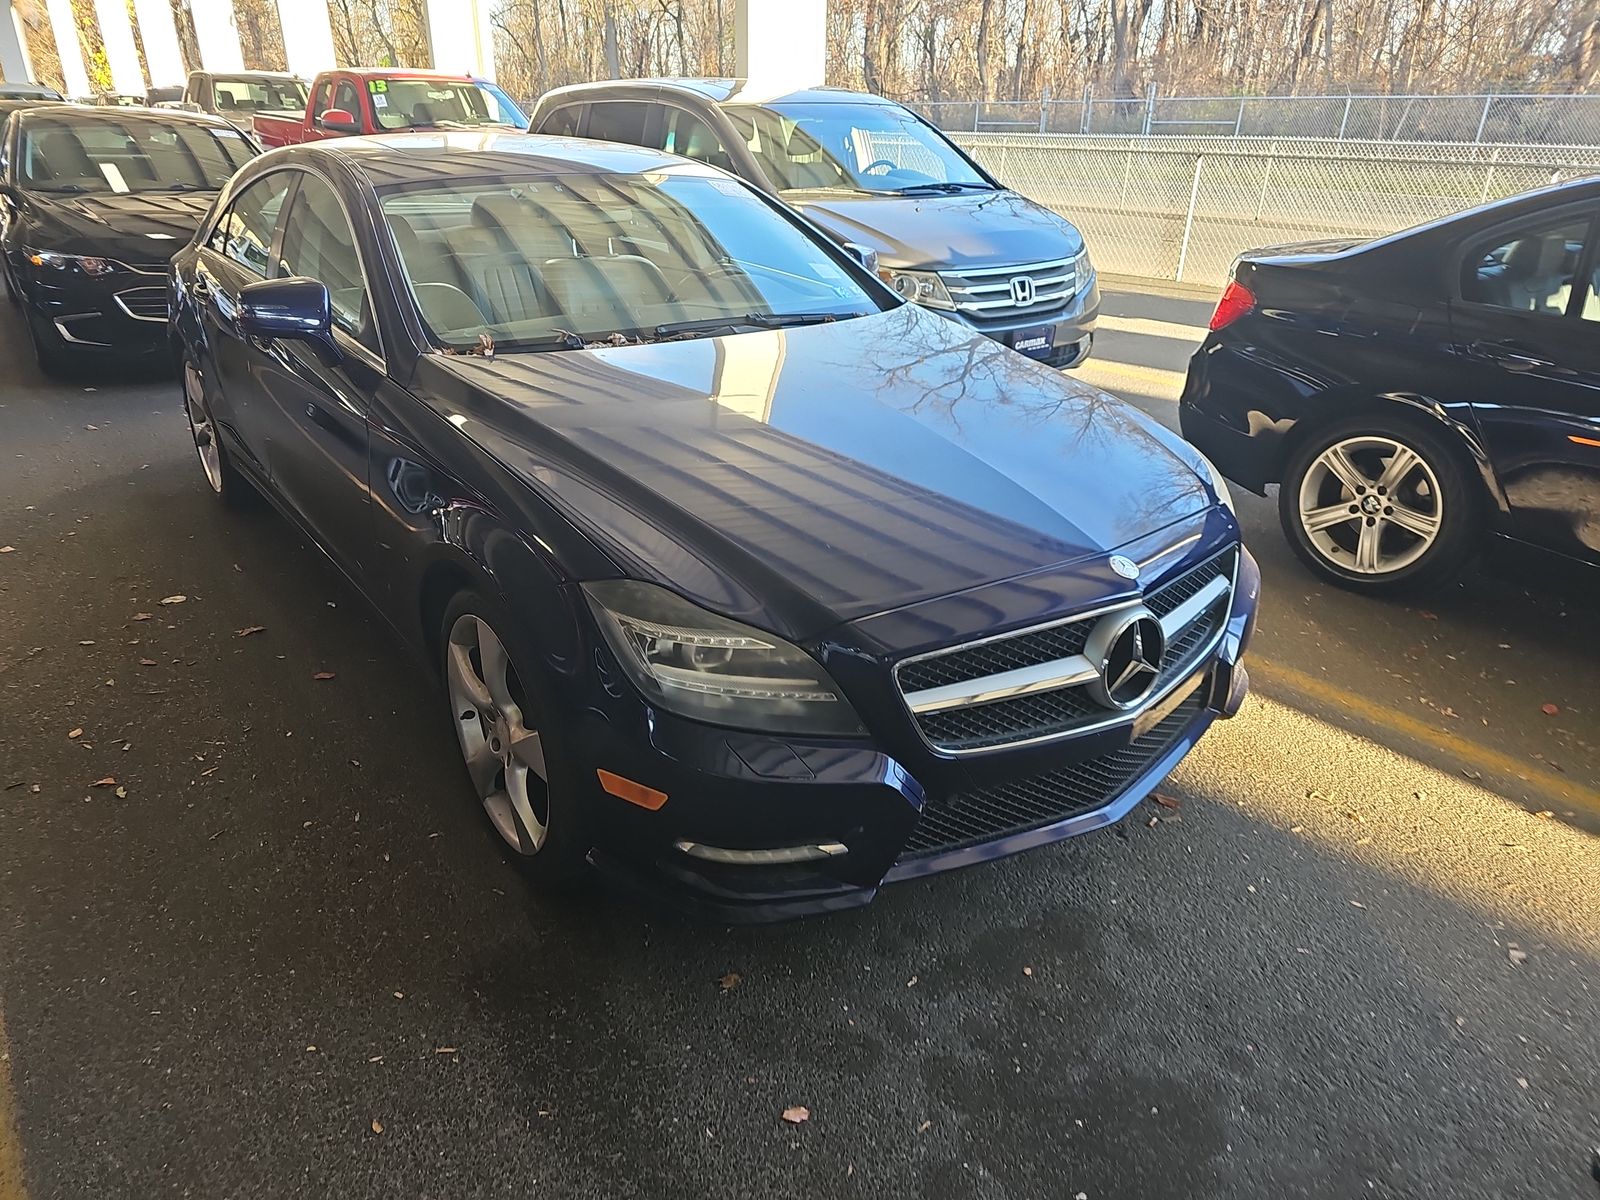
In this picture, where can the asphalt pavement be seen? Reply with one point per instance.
(255, 939)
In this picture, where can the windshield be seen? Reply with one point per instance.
(118, 154)
(436, 104)
(554, 263)
(246, 94)
(851, 147)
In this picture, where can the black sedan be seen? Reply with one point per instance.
(93, 202)
(747, 581)
(1418, 394)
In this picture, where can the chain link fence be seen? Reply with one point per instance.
(1184, 209)
(1527, 119)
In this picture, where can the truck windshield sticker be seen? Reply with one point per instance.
(377, 86)
(379, 100)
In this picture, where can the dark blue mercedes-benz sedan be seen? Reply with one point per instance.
(747, 582)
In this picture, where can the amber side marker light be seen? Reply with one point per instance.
(1583, 441)
(633, 793)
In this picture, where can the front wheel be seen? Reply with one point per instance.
(226, 484)
(49, 348)
(513, 759)
(1380, 507)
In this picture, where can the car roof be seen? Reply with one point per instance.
(80, 113)
(735, 91)
(401, 73)
(400, 158)
(249, 74)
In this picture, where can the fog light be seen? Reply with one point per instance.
(764, 858)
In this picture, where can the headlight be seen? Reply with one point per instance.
(919, 287)
(1219, 485)
(49, 260)
(707, 667)
(1082, 269)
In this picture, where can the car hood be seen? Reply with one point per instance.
(971, 229)
(801, 478)
(137, 229)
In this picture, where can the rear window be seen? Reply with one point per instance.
(252, 95)
(618, 121)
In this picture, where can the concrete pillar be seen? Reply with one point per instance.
(780, 45)
(159, 33)
(122, 55)
(14, 64)
(461, 37)
(307, 36)
(217, 35)
(65, 28)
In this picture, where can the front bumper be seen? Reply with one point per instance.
(745, 791)
(123, 313)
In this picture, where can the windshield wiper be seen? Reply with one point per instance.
(951, 188)
(76, 189)
(560, 339)
(183, 187)
(760, 320)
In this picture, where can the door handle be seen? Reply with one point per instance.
(1510, 355)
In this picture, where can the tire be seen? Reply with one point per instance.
(498, 718)
(1381, 505)
(49, 351)
(227, 484)
(11, 288)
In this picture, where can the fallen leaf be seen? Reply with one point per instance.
(730, 981)
(1028, 971)
(445, 1050)
(76, 733)
(174, 599)
(796, 1113)
(1152, 822)
(108, 781)
(1544, 814)
(399, 995)
(147, 662)
(249, 629)
(1427, 616)
(912, 982)
(1357, 904)
(142, 616)
(89, 643)
(91, 428)
(1550, 710)
(323, 675)
(122, 793)
(377, 1125)
(1516, 955)
(1522, 1083)
(924, 1127)
(311, 1049)
(8, 549)
(1165, 800)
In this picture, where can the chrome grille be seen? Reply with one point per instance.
(988, 291)
(1032, 686)
(989, 813)
(144, 303)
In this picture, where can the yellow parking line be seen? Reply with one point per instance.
(1154, 382)
(10, 1143)
(1150, 327)
(1480, 758)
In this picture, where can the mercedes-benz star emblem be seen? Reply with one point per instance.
(1126, 648)
(1125, 567)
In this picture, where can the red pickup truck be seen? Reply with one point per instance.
(366, 101)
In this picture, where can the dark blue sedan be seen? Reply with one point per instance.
(748, 582)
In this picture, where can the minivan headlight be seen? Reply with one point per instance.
(705, 666)
(919, 287)
(1082, 268)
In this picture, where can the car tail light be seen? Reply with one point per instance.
(1237, 300)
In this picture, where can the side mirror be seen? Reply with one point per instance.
(865, 255)
(338, 120)
(293, 309)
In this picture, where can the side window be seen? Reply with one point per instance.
(346, 97)
(618, 121)
(319, 99)
(686, 134)
(319, 244)
(244, 234)
(563, 122)
(1531, 269)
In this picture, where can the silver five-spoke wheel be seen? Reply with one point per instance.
(1370, 504)
(200, 424)
(504, 757)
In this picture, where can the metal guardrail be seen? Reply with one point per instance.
(1524, 118)
(1185, 208)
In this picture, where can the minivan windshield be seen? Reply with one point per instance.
(852, 147)
(112, 153)
(561, 262)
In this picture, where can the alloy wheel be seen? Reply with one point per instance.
(201, 425)
(1371, 505)
(504, 757)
